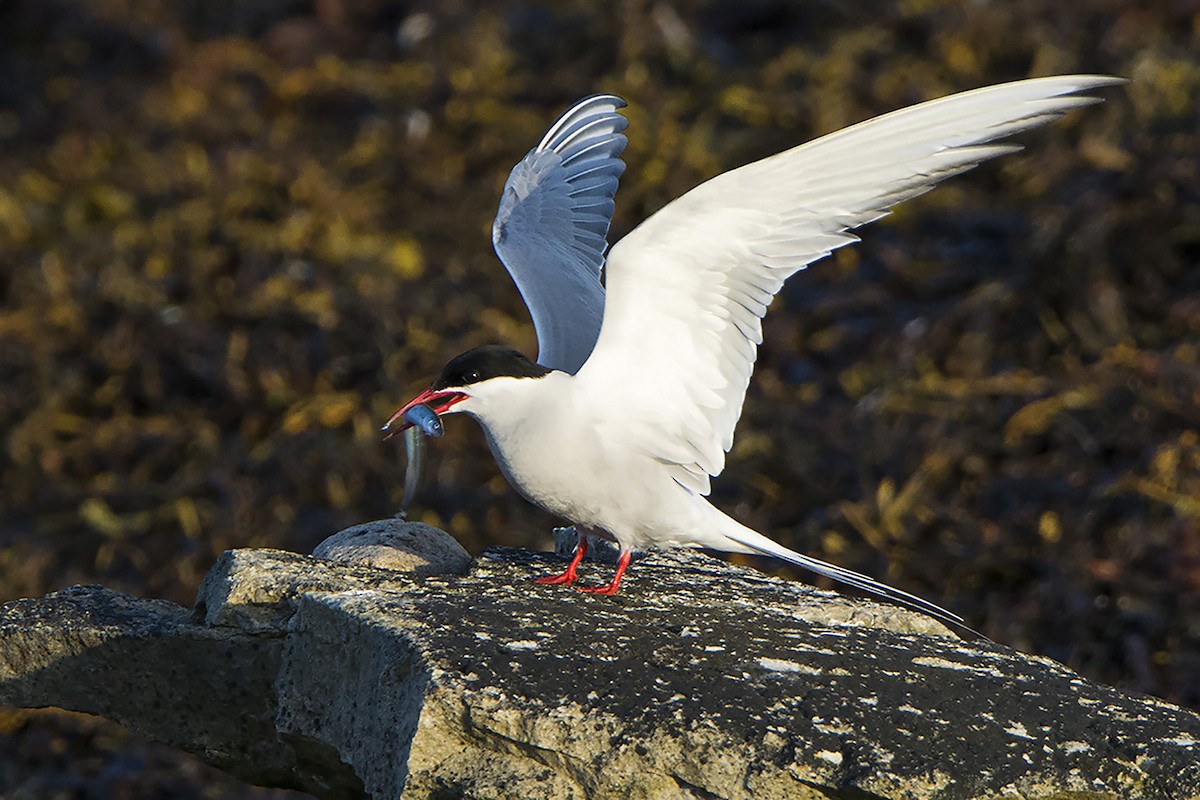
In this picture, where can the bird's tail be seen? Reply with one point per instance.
(755, 542)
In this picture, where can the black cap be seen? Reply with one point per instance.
(484, 363)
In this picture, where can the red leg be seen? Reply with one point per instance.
(612, 587)
(569, 576)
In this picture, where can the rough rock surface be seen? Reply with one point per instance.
(397, 544)
(700, 679)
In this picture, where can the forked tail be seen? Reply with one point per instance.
(758, 543)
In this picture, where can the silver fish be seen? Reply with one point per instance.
(414, 470)
(425, 422)
(426, 419)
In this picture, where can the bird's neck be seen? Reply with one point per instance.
(508, 407)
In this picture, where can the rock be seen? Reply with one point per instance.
(148, 665)
(398, 545)
(599, 550)
(700, 679)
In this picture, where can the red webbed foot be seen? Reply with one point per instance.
(571, 574)
(610, 588)
(567, 577)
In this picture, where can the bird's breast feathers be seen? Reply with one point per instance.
(582, 465)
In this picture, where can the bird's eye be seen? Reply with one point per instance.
(471, 377)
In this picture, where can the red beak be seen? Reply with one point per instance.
(437, 400)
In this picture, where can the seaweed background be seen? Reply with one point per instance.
(233, 236)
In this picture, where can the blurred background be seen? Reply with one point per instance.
(234, 236)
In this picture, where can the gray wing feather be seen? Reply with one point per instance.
(551, 227)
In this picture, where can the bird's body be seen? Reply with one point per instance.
(546, 456)
(631, 406)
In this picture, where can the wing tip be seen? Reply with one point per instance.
(601, 98)
(588, 110)
(1087, 80)
(1059, 88)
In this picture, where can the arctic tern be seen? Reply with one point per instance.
(630, 407)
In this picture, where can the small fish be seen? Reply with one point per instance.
(426, 419)
(414, 470)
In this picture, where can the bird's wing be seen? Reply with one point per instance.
(687, 289)
(552, 222)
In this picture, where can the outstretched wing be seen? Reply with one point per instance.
(552, 222)
(688, 288)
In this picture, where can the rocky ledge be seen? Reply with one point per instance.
(699, 680)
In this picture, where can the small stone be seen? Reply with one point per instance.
(599, 550)
(398, 545)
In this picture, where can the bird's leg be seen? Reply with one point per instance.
(611, 587)
(570, 575)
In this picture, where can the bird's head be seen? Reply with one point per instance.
(464, 378)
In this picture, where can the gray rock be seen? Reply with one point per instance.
(599, 550)
(398, 545)
(148, 665)
(700, 679)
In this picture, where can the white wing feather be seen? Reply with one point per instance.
(552, 222)
(688, 288)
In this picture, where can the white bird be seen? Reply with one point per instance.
(631, 405)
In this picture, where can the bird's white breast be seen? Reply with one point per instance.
(556, 445)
